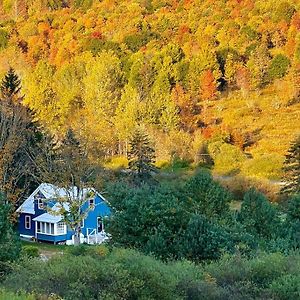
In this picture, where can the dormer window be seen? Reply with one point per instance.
(91, 202)
(41, 204)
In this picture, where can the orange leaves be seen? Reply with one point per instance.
(243, 78)
(208, 86)
(187, 109)
(97, 35)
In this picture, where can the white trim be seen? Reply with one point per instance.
(40, 203)
(26, 222)
(102, 224)
(46, 226)
(64, 228)
(26, 236)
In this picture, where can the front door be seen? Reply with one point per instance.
(99, 224)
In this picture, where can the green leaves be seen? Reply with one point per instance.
(9, 242)
(291, 169)
(141, 157)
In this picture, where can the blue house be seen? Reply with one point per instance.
(38, 219)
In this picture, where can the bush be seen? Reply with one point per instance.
(266, 166)
(123, 274)
(20, 296)
(286, 287)
(227, 158)
(204, 240)
(258, 215)
(78, 250)
(30, 251)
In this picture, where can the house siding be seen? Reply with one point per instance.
(21, 225)
(101, 210)
(51, 238)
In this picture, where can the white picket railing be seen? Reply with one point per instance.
(96, 238)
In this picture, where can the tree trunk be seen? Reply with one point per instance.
(77, 237)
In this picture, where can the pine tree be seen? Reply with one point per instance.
(141, 157)
(18, 134)
(11, 85)
(292, 169)
(9, 242)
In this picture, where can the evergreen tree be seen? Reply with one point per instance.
(18, 134)
(9, 243)
(11, 85)
(204, 239)
(141, 157)
(207, 196)
(258, 215)
(293, 221)
(292, 169)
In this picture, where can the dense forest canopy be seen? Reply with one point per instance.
(217, 79)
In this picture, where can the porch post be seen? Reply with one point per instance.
(55, 228)
(35, 231)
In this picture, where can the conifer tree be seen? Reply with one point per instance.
(11, 84)
(141, 157)
(18, 133)
(9, 243)
(292, 169)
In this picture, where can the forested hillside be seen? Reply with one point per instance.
(211, 81)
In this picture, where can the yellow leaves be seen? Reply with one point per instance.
(127, 113)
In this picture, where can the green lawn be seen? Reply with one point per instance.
(45, 246)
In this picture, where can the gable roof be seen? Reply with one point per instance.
(52, 192)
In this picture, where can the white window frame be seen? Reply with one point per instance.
(61, 228)
(27, 222)
(41, 204)
(46, 228)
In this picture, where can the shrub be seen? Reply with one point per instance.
(78, 250)
(123, 274)
(227, 158)
(286, 287)
(258, 215)
(118, 162)
(204, 240)
(30, 251)
(4, 295)
(265, 166)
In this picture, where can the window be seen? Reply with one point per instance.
(82, 224)
(100, 225)
(61, 228)
(27, 222)
(45, 228)
(40, 203)
(92, 202)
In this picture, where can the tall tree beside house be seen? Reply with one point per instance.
(292, 169)
(141, 157)
(66, 165)
(18, 133)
